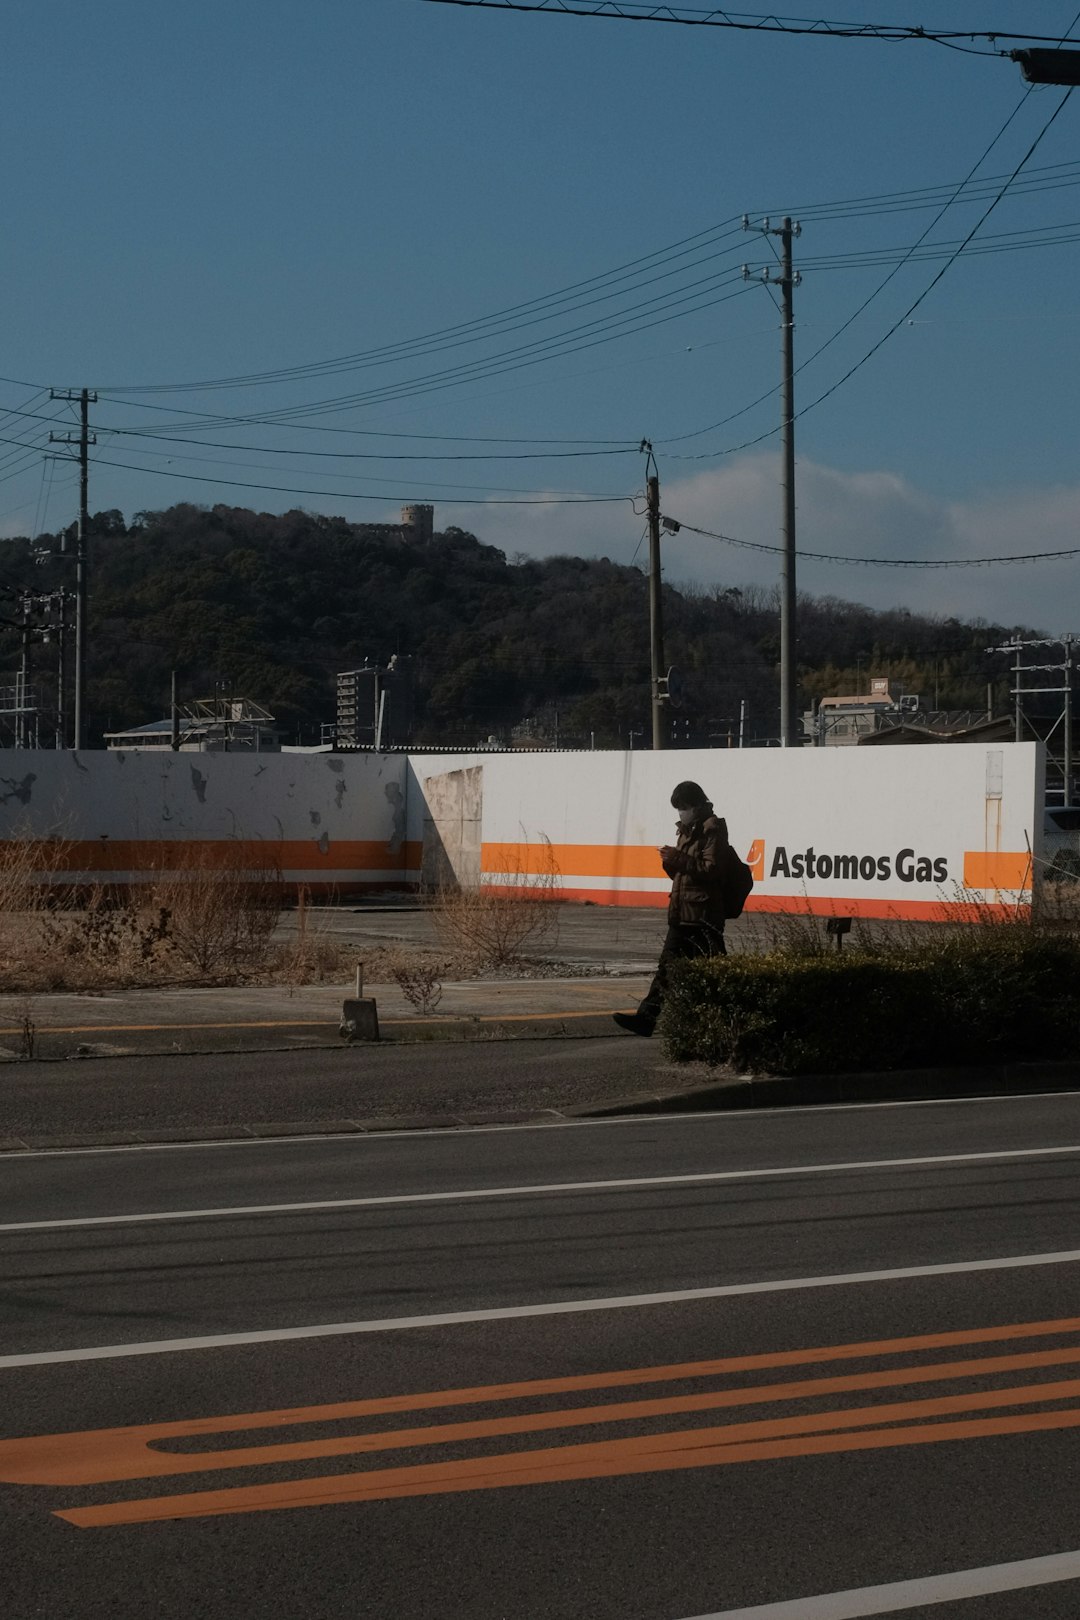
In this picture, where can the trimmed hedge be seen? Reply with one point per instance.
(984, 996)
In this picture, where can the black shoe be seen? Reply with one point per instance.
(637, 1023)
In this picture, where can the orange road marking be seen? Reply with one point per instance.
(136, 1452)
(100, 1455)
(107, 1455)
(683, 1448)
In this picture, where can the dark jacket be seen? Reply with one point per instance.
(696, 868)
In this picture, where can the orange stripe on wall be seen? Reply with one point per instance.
(970, 911)
(997, 869)
(584, 860)
(146, 855)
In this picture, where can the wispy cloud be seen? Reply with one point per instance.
(858, 514)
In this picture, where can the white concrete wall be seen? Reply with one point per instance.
(933, 820)
(332, 819)
(904, 831)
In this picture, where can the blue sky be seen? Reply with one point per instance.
(210, 191)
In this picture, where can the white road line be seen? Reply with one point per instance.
(562, 1307)
(557, 1122)
(918, 1594)
(530, 1190)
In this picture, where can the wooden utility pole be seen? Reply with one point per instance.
(82, 547)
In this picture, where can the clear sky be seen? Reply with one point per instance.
(207, 191)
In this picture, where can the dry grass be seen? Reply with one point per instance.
(511, 915)
(219, 914)
(314, 954)
(212, 923)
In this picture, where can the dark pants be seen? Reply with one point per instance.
(683, 939)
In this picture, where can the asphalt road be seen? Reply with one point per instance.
(46, 1103)
(798, 1366)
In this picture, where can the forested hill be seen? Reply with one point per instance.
(272, 607)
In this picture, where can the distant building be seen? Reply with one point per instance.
(944, 726)
(206, 726)
(374, 705)
(843, 721)
(418, 522)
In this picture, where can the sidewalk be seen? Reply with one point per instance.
(265, 1018)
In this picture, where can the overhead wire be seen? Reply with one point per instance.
(948, 203)
(749, 22)
(512, 314)
(512, 318)
(881, 202)
(883, 562)
(900, 321)
(540, 498)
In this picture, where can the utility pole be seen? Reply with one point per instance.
(1067, 730)
(787, 281)
(656, 621)
(59, 603)
(1063, 672)
(82, 561)
(23, 689)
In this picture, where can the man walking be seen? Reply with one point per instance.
(696, 867)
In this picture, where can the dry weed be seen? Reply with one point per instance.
(417, 975)
(221, 913)
(496, 921)
(315, 954)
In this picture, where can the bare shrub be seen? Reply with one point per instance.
(108, 939)
(418, 977)
(221, 910)
(512, 912)
(1056, 900)
(29, 901)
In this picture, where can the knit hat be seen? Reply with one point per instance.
(688, 796)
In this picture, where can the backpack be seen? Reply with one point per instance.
(736, 882)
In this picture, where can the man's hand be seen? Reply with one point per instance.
(666, 852)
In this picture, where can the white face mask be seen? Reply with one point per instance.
(686, 817)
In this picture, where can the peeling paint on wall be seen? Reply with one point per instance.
(23, 791)
(604, 815)
(396, 800)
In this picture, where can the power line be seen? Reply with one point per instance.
(899, 322)
(501, 321)
(513, 314)
(948, 202)
(883, 562)
(745, 22)
(352, 495)
(161, 437)
(368, 479)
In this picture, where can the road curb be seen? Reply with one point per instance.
(264, 1131)
(64, 1044)
(740, 1091)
